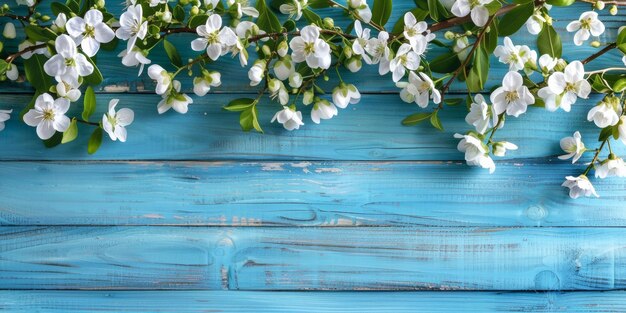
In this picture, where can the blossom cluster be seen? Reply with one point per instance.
(288, 56)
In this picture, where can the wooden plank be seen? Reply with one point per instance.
(301, 194)
(284, 258)
(356, 302)
(122, 79)
(370, 130)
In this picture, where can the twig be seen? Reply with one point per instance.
(13, 56)
(599, 53)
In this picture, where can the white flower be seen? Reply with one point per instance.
(606, 113)
(154, 3)
(241, 9)
(379, 51)
(277, 90)
(90, 31)
(476, 8)
(476, 153)
(513, 97)
(133, 58)
(294, 9)
(290, 118)
(68, 89)
(614, 166)
(405, 59)
(413, 31)
(564, 88)
(547, 63)
(359, 44)
(573, 146)
(9, 30)
(25, 44)
(322, 109)
(283, 48)
(295, 79)
(354, 64)
(202, 85)
(114, 123)
(246, 29)
(5, 115)
(12, 73)
(481, 115)
(174, 100)
(579, 186)
(48, 116)
(510, 54)
(345, 94)
(500, 148)
(308, 46)
(588, 24)
(257, 72)
(59, 23)
(419, 89)
(362, 9)
(162, 77)
(67, 63)
(215, 39)
(535, 22)
(131, 26)
(622, 129)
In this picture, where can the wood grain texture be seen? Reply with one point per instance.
(319, 302)
(285, 258)
(301, 194)
(369, 130)
(121, 79)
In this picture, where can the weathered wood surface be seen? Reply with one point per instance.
(300, 194)
(318, 302)
(369, 130)
(121, 79)
(285, 258)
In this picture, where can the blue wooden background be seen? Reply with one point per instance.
(193, 215)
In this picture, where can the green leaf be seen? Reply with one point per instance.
(240, 104)
(454, 101)
(419, 14)
(94, 78)
(30, 105)
(312, 17)
(248, 119)
(445, 63)
(515, 19)
(549, 42)
(73, 5)
(172, 53)
(53, 141)
(94, 141)
(605, 133)
(37, 33)
(58, 8)
(433, 8)
(381, 11)
(71, 133)
(267, 20)
(560, 3)
(319, 4)
(198, 20)
(415, 119)
(435, 121)
(480, 70)
(3, 66)
(491, 38)
(621, 37)
(599, 84)
(89, 103)
(619, 85)
(179, 13)
(33, 67)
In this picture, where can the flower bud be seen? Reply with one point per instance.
(5, 6)
(560, 65)
(468, 33)
(613, 10)
(266, 51)
(347, 51)
(354, 64)
(599, 5)
(194, 10)
(283, 48)
(166, 17)
(100, 4)
(449, 35)
(308, 96)
(329, 22)
(499, 148)
(9, 31)
(595, 43)
(12, 72)
(45, 18)
(274, 85)
(295, 80)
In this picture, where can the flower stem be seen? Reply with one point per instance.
(595, 157)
